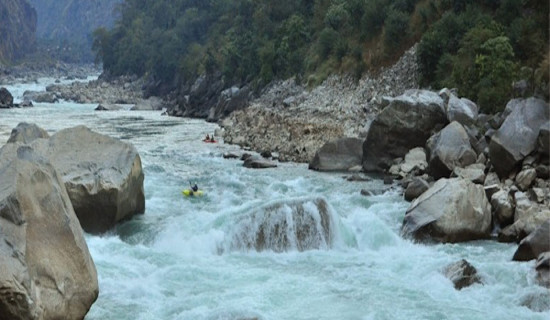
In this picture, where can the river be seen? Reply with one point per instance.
(179, 260)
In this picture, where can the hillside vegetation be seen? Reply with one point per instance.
(480, 47)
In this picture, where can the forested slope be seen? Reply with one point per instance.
(480, 47)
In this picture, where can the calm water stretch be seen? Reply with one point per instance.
(179, 260)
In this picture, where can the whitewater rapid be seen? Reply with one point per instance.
(182, 259)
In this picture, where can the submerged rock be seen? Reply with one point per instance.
(462, 274)
(290, 225)
(46, 269)
(534, 244)
(543, 269)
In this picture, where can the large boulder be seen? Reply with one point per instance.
(452, 210)
(407, 122)
(503, 208)
(517, 137)
(301, 224)
(6, 99)
(27, 133)
(103, 176)
(338, 155)
(46, 269)
(150, 104)
(461, 110)
(448, 149)
(255, 162)
(534, 244)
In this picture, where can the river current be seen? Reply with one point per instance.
(179, 259)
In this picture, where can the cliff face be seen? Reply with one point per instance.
(67, 25)
(72, 19)
(17, 29)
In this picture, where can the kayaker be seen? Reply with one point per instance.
(212, 139)
(207, 137)
(195, 188)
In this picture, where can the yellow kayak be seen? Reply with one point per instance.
(191, 193)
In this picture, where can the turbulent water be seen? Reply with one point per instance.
(194, 258)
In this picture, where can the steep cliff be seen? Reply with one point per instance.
(67, 25)
(17, 29)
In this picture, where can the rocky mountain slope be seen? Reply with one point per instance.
(17, 29)
(71, 22)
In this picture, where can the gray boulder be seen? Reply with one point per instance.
(543, 269)
(517, 137)
(415, 188)
(534, 244)
(474, 172)
(452, 210)
(151, 104)
(525, 178)
(255, 162)
(26, 133)
(6, 99)
(283, 226)
(47, 272)
(407, 122)
(108, 107)
(103, 176)
(503, 208)
(338, 155)
(448, 149)
(462, 274)
(461, 110)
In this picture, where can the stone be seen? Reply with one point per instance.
(452, 210)
(26, 133)
(47, 271)
(538, 195)
(108, 107)
(286, 225)
(517, 137)
(415, 161)
(338, 155)
(461, 110)
(543, 171)
(525, 178)
(448, 149)
(255, 162)
(534, 244)
(415, 188)
(474, 173)
(6, 99)
(544, 139)
(103, 176)
(462, 274)
(406, 123)
(543, 269)
(503, 208)
(152, 103)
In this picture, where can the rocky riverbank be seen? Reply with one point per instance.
(295, 122)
